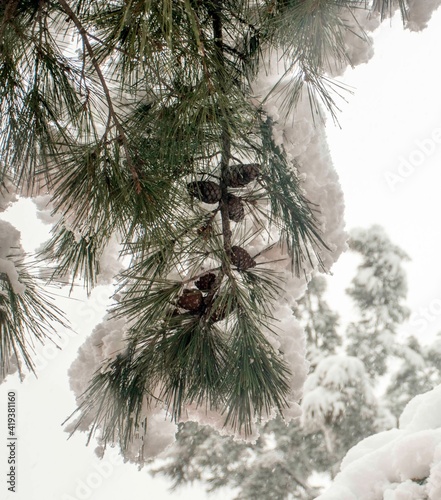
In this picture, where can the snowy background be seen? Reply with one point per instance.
(387, 157)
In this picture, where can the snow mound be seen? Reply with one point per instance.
(399, 464)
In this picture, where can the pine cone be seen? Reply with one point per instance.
(236, 211)
(241, 175)
(219, 315)
(206, 282)
(206, 191)
(241, 258)
(191, 299)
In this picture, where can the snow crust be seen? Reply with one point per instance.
(106, 342)
(399, 464)
(44, 205)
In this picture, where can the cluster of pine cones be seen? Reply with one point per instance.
(210, 192)
(198, 300)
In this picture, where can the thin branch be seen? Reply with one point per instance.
(112, 113)
(226, 140)
(307, 488)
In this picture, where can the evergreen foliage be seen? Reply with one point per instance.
(117, 111)
(140, 122)
(339, 404)
(339, 409)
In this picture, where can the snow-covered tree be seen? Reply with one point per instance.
(378, 290)
(190, 133)
(340, 403)
(419, 372)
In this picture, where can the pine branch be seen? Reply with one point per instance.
(25, 317)
(289, 208)
(386, 8)
(112, 117)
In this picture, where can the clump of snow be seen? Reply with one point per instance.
(403, 463)
(45, 209)
(422, 412)
(106, 342)
(358, 44)
(420, 12)
(214, 419)
(10, 246)
(110, 265)
(304, 142)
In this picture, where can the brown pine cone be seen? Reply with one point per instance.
(219, 314)
(241, 258)
(241, 175)
(236, 211)
(191, 299)
(206, 191)
(205, 282)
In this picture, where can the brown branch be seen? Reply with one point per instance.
(111, 110)
(225, 136)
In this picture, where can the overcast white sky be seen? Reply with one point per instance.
(389, 163)
(395, 110)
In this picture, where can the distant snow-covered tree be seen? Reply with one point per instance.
(339, 402)
(276, 466)
(419, 372)
(378, 290)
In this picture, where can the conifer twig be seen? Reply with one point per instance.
(111, 109)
